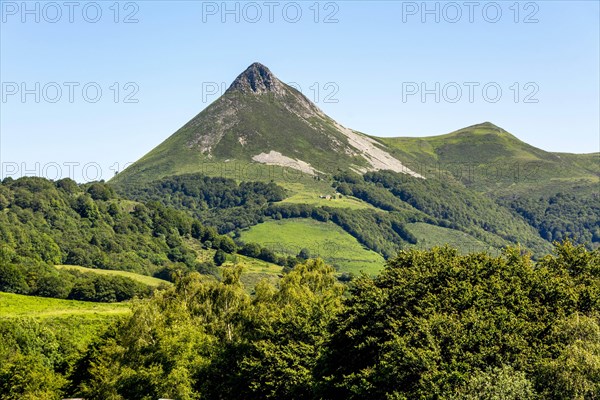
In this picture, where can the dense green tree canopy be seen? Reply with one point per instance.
(434, 325)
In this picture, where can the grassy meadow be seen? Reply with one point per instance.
(145, 279)
(325, 240)
(82, 319)
(431, 235)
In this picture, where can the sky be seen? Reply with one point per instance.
(89, 87)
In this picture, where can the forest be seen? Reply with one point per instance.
(433, 325)
(561, 215)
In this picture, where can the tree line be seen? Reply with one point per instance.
(39, 279)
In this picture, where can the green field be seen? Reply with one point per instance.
(314, 200)
(145, 279)
(255, 270)
(82, 319)
(431, 235)
(16, 305)
(322, 239)
(300, 193)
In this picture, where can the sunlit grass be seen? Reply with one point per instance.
(322, 239)
(145, 279)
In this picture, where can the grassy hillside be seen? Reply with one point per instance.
(325, 240)
(260, 124)
(589, 162)
(83, 320)
(145, 279)
(16, 305)
(431, 235)
(487, 157)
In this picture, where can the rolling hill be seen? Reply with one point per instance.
(485, 157)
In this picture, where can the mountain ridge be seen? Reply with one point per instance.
(257, 78)
(261, 122)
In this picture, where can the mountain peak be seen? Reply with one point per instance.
(490, 125)
(486, 125)
(261, 120)
(256, 79)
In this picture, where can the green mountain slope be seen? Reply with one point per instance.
(480, 180)
(486, 157)
(321, 239)
(556, 193)
(261, 129)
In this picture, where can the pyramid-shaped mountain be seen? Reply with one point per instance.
(260, 120)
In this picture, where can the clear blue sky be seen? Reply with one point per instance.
(371, 57)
